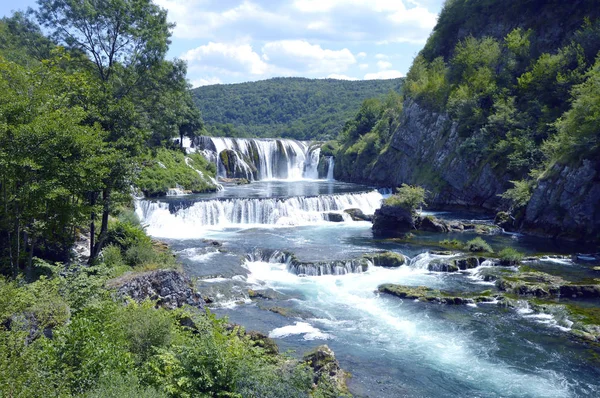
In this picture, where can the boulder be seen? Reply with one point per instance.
(432, 224)
(326, 367)
(171, 289)
(334, 217)
(442, 265)
(393, 220)
(358, 215)
(426, 294)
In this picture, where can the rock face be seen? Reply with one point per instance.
(327, 368)
(567, 203)
(236, 167)
(425, 150)
(171, 289)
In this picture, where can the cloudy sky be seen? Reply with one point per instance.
(231, 41)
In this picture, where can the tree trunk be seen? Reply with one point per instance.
(92, 225)
(104, 227)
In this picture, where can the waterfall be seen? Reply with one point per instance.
(330, 169)
(260, 159)
(165, 220)
(337, 267)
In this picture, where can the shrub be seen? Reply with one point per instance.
(478, 245)
(111, 256)
(408, 197)
(455, 243)
(510, 256)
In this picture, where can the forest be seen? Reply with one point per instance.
(299, 108)
(89, 107)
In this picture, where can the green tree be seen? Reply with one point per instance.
(126, 41)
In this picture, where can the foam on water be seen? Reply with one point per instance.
(309, 332)
(388, 326)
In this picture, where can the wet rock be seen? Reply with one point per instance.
(426, 294)
(386, 259)
(432, 224)
(171, 289)
(466, 263)
(393, 220)
(326, 367)
(358, 215)
(580, 291)
(334, 217)
(442, 265)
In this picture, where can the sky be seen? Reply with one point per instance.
(233, 41)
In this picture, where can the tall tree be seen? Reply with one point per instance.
(126, 40)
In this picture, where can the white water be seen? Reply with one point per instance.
(330, 169)
(192, 221)
(388, 328)
(272, 158)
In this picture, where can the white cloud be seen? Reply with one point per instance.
(301, 55)
(384, 74)
(205, 81)
(236, 58)
(361, 54)
(340, 77)
(363, 66)
(383, 65)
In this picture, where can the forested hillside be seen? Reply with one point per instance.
(501, 111)
(286, 107)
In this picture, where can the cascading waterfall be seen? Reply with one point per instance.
(261, 159)
(330, 169)
(298, 210)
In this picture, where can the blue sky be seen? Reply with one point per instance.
(231, 41)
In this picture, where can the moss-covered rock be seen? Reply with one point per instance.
(386, 259)
(426, 294)
(327, 369)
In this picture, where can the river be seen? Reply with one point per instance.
(239, 241)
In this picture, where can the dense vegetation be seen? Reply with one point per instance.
(297, 108)
(85, 113)
(521, 88)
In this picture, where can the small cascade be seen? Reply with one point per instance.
(260, 159)
(330, 168)
(267, 211)
(177, 191)
(339, 267)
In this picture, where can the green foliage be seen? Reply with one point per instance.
(454, 243)
(519, 195)
(304, 109)
(427, 83)
(577, 130)
(117, 385)
(508, 255)
(478, 245)
(408, 197)
(168, 169)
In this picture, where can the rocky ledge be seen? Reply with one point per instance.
(396, 221)
(422, 293)
(171, 289)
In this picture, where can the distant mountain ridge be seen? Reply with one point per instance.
(288, 107)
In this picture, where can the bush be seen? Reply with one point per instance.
(111, 256)
(408, 197)
(455, 243)
(478, 245)
(510, 256)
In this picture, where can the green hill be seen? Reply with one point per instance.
(286, 107)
